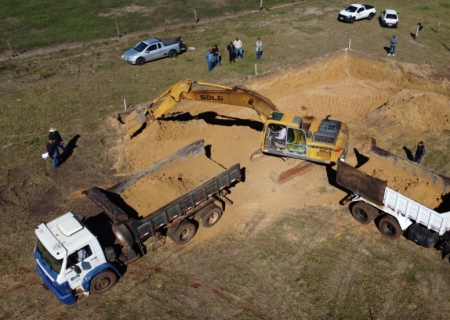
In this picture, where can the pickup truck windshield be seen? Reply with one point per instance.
(53, 263)
(140, 47)
(351, 9)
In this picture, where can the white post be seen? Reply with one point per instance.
(256, 69)
(439, 23)
(12, 52)
(261, 5)
(350, 43)
(195, 15)
(125, 104)
(417, 31)
(117, 28)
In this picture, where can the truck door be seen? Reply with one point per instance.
(296, 143)
(85, 259)
(360, 13)
(152, 52)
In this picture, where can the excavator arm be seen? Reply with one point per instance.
(238, 96)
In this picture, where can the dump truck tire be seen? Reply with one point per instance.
(184, 233)
(211, 216)
(103, 282)
(389, 227)
(363, 212)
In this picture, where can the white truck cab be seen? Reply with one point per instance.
(68, 256)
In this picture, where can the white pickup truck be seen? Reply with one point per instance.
(395, 212)
(357, 12)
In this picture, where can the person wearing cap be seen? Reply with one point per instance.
(420, 152)
(258, 49)
(238, 45)
(53, 153)
(54, 135)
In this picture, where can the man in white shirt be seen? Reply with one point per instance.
(280, 137)
(238, 45)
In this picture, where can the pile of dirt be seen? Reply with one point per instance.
(156, 190)
(418, 188)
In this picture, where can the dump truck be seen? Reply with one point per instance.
(307, 138)
(401, 196)
(75, 260)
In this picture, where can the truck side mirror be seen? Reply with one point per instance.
(76, 269)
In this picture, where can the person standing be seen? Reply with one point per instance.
(215, 52)
(53, 152)
(258, 49)
(54, 135)
(393, 45)
(231, 52)
(209, 58)
(238, 45)
(420, 152)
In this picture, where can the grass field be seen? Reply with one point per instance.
(70, 75)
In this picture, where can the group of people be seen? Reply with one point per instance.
(235, 51)
(55, 142)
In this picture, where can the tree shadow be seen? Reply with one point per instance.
(408, 153)
(214, 118)
(71, 145)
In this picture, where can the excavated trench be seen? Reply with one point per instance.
(375, 97)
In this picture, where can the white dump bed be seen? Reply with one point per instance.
(406, 208)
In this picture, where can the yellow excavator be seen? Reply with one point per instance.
(285, 135)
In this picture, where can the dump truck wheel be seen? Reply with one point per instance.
(211, 217)
(389, 227)
(140, 61)
(103, 282)
(363, 212)
(184, 233)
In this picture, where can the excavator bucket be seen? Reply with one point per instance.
(136, 120)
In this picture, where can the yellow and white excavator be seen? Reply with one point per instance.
(285, 135)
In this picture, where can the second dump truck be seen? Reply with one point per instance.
(401, 196)
(75, 261)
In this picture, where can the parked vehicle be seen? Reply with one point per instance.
(357, 12)
(389, 18)
(75, 260)
(152, 49)
(394, 213)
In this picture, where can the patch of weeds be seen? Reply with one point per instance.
(445, 4)
(423, 7)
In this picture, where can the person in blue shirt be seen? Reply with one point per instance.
(393, 45)
(209, 57)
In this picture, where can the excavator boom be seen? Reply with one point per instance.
(238, 96)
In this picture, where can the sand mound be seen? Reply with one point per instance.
(156, 190)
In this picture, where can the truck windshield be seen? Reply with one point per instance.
(140, 47)
(351, 9)
(53, 263)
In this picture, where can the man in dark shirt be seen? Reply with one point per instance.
(420, 152)
(215, 52)
(54, 135)
(231, 52)
(53, 152)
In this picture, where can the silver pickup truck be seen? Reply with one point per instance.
(153, 49)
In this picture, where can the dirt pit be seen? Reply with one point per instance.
(377, 98)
